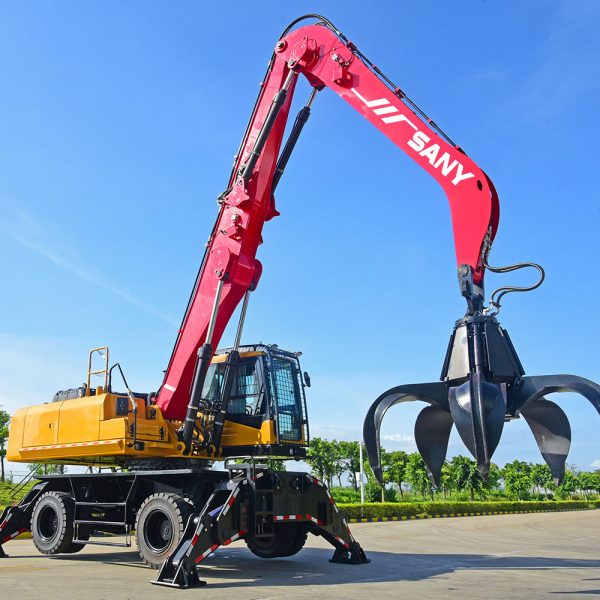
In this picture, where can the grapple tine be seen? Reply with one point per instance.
(478, 408)
(435, 393)
(534, 387)
(432, 432)
(552, 432)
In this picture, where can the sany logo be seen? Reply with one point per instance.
(390, 114)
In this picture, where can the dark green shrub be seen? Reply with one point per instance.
(408, 509)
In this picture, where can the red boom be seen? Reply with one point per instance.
(326, 61)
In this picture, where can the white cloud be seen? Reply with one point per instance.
(595, 464)
(333, 432)
(22, 228)
(398, 437)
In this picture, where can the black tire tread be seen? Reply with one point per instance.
(298, 542)
(64, 540)
(182, 510)
(287, 540)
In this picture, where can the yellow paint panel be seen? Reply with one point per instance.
(236, 434)
(66, 452)
(41, 424)
(15, 438)
(223, 357)
(79, 420)
(113, 429)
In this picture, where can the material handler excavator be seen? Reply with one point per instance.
(248, 401)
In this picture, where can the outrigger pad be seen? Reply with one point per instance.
(354, 555)
(185, 577)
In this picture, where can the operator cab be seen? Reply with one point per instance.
(266, 411)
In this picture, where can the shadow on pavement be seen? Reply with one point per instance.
(312, 567)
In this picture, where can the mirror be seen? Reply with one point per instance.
(306, 379)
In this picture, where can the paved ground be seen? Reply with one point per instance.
(514, 556)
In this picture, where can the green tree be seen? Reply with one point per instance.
(350, 461)
(4, 421)
(398, 462)
(492, 483)
(517, 479)
(541, 478)
(416, 475)
(323, 456)
(570, 483)
(277, 464)
(446, 480)
(47, 468)
(464, 476)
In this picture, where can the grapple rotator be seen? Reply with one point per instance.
(482, 386)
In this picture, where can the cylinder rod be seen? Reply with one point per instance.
(213, 315)
(290, 144)
(205, 353)
(267, 126)
(240, 327)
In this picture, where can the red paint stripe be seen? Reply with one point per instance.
(298, 517)
(194, 539)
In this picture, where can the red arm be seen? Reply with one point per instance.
(319, 54)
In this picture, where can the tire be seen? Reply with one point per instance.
(52, 523)
(159, 526)
(287, 540)
(298, 541)
(84, 534)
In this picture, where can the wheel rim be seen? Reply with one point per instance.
(158, 531)
(47, 523)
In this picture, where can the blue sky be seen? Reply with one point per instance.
(118, 124)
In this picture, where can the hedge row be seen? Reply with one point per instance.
(372, 510)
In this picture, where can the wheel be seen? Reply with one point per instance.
(298, 541)
(52, 523)
(84, 534)
(159, 526)
(287, 540)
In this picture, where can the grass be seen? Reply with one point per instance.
(7, 491)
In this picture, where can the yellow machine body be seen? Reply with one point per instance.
(87, 431)
(91, 430)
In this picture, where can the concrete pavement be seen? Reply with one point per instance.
(549, 555)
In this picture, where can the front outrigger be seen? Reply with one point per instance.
(255, 503)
